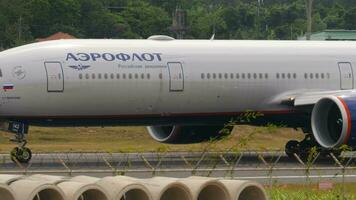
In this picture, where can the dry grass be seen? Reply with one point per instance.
(136, 139)
(311, 192)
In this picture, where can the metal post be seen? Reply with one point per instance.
(309, 10)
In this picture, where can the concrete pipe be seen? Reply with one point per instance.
(6, 193)
(124, 188)
(241, 190)
(206, 188)
(26, 189)
(162, 188)
(47, 178)
(83, 188)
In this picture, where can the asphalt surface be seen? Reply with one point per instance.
(264, 167)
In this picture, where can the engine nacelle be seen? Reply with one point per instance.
(333, 121)
(185, 134)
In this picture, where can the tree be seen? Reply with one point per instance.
(98, 22)
(350, 18)
(146, 20)
(14, 15)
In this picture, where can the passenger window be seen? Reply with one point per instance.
(305, 75)
(148, 76)
(130, 76)
(80, 76)
(322, 75)
(243, 75)
(117, 76)
(112, 76)
(0, 73)
(255, 76)
(142, 76)
(288, 76)
(214, 76)
(136, 76)
(311, 76)
(208, 76)
(261, 76)
(249, 76)
(237, 76)
(317, 76)
(283, 76)
(220, 75)
(277, 75)
(231, 76)
(202, 76)
(295, 76)
(160, 76)
(99, 76)
(226, 76)
(106, 76)
(266, 76)
(124, 76)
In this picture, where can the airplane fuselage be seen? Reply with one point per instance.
(149, 82)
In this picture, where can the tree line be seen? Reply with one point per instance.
(22, 21)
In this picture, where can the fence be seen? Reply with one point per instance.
(267, 167)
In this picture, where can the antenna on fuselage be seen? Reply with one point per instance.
(212, 37)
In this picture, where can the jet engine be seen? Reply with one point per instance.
(333, 121)
(186, 134)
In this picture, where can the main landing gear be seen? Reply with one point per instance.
(306, 148)
(20, 154)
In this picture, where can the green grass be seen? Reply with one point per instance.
(136, 139)
(307, 192)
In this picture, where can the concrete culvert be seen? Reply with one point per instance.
(252, 193)
(36, 190)
(124, 188)
(162, 188)
(213, 192)
(48, 194)
(135, 194)
(244, 190)
(92, 194)
(206, 188)
(6, 193)
(83, 191)
(175, 192)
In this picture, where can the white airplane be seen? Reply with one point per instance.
(181, 87)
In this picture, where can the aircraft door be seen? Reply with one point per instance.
(55, 78)
(176, 77)
(346, 76)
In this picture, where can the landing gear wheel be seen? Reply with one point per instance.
(21, 155)
(291, 148)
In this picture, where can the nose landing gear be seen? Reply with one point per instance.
(21, 153)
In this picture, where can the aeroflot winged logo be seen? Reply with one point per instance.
(79, 67)
(112, 57)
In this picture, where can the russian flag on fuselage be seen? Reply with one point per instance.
(8, 86)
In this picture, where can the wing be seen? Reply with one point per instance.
(312, 97)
